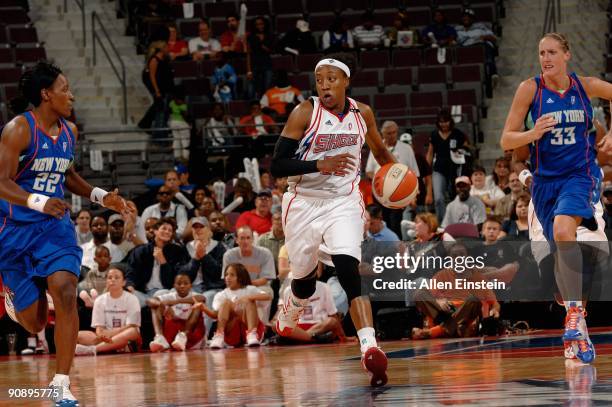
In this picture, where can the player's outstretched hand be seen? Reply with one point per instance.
(543, 125)
(340, 164)
(113, 201)
(605, 144)
(56, 207)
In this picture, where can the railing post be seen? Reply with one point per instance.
(124, 88)
(83, 23)
(93, 35)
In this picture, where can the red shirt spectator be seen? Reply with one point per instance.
(230, 41)
(177, 48)
(260, 218)
(261, 123)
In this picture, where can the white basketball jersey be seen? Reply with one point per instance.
(329, 135)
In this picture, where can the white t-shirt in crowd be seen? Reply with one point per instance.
(112, 312)
(181, 311)
(321, 305)
(234, 295)
(403, 153)
(197, 44)
(495, 194)
(89, 252)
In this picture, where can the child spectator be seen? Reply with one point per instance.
(489, 195)
(281, 99)
(224, 78)
(116, 319)
(235, 309)
(179, 125)
(94, 282)
(491, 230)
(496, 253)
(174, 319)
(204, 46)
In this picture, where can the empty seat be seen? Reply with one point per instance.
(485, 13)
(453, 14)
(10, 75)
(14, 16)
(374, 59)
(200, 110)
(287, 7)
(407, 57)
(420, 99)
(30, 55)
(189, 28)
(20, 35)
(307, 62)
(466, 73)
(321, 22)
(365, 78)
(322, 6)
(222, 9)
(285, 23)
(432, 74)
(258, 7)
(238, 108)
(398, 76)
(363, 99)
(6, 56)
(419, 17)
(218, 25)
(360, 5)
(461, 97)
(239, 65)
(283, 62)
(185, 69)
(196, 87)
(430, 56)
(470, 55)
(390, 101)
(301, 81)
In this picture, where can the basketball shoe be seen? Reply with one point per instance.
(159, 344)
(374, 361)
(576, 337)
(289, 314)
(61, 393)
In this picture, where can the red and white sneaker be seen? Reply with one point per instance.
(374, 361)
(289, 314)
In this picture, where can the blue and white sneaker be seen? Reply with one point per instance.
(585, 350)
(63, 396)
(575, 325)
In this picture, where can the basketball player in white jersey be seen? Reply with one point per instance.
(320, 150)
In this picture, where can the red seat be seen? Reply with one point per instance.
(419, 16)
(374, 59)
(453, 15)
(200, 110)
(363, 99)
(185, 69)
(301, 81)
(207, 67)
(30, 55)
(432, 74)
(20, 35)
(287, 7)
(240, 65)
(322, 6)
(361, 5)
(218, 25)
(222, 9)
(457, 230)
(283, 62)
(390, 101)
(467, 73)
(420, 142)
(14, 16)
(307, 62)
(6, 56)
(461, 97)
(407, 57)
(238, 108)
(10, 75)
(470, 55)
(258, 7)
(189, 29)
(430, 55)
(321, 22)
(285, 23)
(196, 87)
(365, 78)
(398, 76)
(484, 13)
(422, 99)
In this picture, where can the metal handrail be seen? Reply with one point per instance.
(121, 76)
(551, 16)
(81, 5)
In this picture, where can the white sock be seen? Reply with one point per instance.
(569, 304)
(367, 339)
(61, 378)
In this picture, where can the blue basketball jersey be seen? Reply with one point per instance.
(42, 168)
(570, 146)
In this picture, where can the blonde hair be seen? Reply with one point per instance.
(560, 38)
(154, 48)
(429, 219)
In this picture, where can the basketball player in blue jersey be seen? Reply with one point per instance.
(320, 150)
(38, 248)
(555, 108)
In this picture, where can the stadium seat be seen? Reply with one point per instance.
(485, 13)
(238, 108)
(430, 56)
(283, 63)
(196, 87)
(285, 23)
(470, 55)
(458, 230)
(207, 67)
(301, 81)
(461, 97)
(406, 57)
(14, 16)
(374, 59)
(10, 75)
(200, 110)
(367, 99)
(188, 28)
(321, 22)
(423, 99)
(453, 13)
(23, 35)
(222, 9)
(365, 78)
(419, 16)
(432, 75)
(307, 62)
(185, 69)
(7, 58)
(30, 55)
(287, 7)
(258, 7)
(390, 101)
(358, 5)
(398, 76)
(322, 6)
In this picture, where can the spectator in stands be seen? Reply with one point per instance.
(236, 310)
(378, 230)
(444, 143)
(206, 261)
(178, 49)
(83, 232)
(454, 312)
(224, 80)
(185, 186)
(517, 227)
(257, 123)
(220, 229)
(122, 236)
(275, 238)
(368, 35)
(179, 123)
(491, 230)
(149, 227)
(439, 33)
(199, 195)
(260, 218)
(153, 266)
(175, 319)
(426, 229)
(470, 33)
(496, 253)
(166, 208)
(205, 46)
(464, 208)
(489, 195)
(265, 179)
(501, 174)
(280, 187)
(299, 40)
(207, 207)
(607, 202)
(159, 80)
(230, 41)
(244, 189)
(99, 230)
(94, 282)
(338, 38)
(400, 25)
(280, 100)
(220, 127)
(261, 44)
(504, 205)
(424, 199)
(115, 317)
(404, 154)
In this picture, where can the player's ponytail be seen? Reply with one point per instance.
(32, 81)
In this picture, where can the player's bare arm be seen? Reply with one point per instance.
(284, 162)
(595, 87)
(373, 137)
(15, 139)
(513, 135)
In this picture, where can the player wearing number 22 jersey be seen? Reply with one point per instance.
(49, 244)
(567, 178)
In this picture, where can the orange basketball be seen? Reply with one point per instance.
(394, 185)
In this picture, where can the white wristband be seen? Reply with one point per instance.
(37, 202)
(97, 196)
(524, 175)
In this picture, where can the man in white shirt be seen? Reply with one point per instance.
(165, 208)
(368, 35)
(204, 46)
(99, 230)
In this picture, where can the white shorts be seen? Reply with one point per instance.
(315, 229)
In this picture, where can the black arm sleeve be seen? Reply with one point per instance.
(283, 162)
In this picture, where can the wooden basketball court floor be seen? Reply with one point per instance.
(526, 370)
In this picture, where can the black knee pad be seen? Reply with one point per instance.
(304, 287)
(347, 268)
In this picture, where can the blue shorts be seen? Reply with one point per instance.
(575, 195)
(30, 252)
